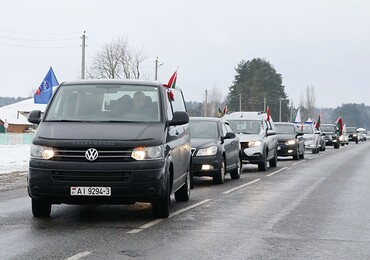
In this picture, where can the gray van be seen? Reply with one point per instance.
(110, 142)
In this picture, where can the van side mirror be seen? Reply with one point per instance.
(179, 118)
(34, 117)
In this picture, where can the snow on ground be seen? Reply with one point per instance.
(14, 158)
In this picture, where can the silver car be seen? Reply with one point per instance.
(257, 137)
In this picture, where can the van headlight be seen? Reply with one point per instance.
(148, 153)
(41, 152)
(207, 151)
(255, 143)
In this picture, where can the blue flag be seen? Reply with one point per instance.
(45, 90)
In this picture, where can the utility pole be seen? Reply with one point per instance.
(291, 111)
(156, 69)
(280, 109)
(240, 102)
(264, 104)
(83, 55)
(205, 106)
(157, 65)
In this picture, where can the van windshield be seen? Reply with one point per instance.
(105, 103)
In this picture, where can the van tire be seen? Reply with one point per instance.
(40, 209)
(161, 207)
(183, 194)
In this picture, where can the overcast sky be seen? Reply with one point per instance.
(320, 43)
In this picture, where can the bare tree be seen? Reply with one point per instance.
(117, 60)
(308, 103)
(214, 100)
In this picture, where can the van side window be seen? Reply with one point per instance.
(178, 104)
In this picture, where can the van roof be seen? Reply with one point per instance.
(115, 81)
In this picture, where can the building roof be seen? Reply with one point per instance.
(12, 116)
(26, 105)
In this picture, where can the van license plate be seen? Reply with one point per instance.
(90, 191)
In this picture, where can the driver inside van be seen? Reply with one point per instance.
(139, 101)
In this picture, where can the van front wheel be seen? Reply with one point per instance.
(40, 209)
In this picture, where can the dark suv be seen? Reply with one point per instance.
(94, 145)
(352, 134)
(332, 134)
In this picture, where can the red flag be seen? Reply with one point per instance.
(268, 113)
(318, 123)
(339, 123)
(172, 82)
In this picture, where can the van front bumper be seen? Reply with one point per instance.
(139, 181)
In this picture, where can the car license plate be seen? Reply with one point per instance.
(90, 191)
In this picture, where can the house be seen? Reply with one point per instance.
(13, 117)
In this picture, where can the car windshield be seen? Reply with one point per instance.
(245, 126)
(284, 129)
(328, 128)
(307, 129)
(105, 103)
(203, 129)
(351, 129)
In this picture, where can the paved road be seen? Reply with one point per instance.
(316, 208)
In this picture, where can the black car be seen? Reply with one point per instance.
(332, 135)
(290, 140)
(86, 152)
(352, 134)
(215, 149)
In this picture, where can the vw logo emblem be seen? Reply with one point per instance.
(91, 154)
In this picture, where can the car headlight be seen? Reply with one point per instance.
(255, 143)
(290, 142)
(354, 135)
(207, 151)
(148, 153)
(41, 152)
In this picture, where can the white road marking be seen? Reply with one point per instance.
(298, 162)
(313, 157)
(241, 186)
(275, 172)
(157, 221)
(79, 255)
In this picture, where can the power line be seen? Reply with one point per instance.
(39, 47)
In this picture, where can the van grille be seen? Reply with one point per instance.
(91, 176)
(105, 155)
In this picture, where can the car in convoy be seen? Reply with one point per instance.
(352, 134)
(331, 132)
(256, 132)
(362, 134)
(215, 149)
(290, 140)
(322, 143)
(311, 137)
(94, 145)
